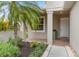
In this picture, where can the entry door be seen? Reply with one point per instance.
(64, 27)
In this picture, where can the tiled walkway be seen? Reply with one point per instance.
(61, 41)
(58, 51)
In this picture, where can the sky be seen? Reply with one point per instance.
(41, 4)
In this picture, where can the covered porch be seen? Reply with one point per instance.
(57, 19)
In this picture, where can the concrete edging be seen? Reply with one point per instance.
(70, 51)
(45, 54)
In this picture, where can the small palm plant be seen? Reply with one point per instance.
(22, 11)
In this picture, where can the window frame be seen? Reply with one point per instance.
(43, 26)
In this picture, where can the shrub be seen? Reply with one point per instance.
(12, 41)
(38, 51)
(1, 26)
(34, 44)
(5, 25)
(18, 42)
(9, 50)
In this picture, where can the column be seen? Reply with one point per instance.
(50, 27)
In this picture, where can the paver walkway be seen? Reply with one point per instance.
(58, 51)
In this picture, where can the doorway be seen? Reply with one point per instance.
(61, 27)
(64, 27)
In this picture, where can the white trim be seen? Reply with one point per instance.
(50, 27)
(45, 54)
(43, 26)
(54, 9)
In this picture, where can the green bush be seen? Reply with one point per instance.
(34, 44)
(38, 51)
(12, 41)
(9, 50)
(0, 25)
(18, 42)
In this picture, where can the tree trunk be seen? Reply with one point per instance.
(15, 30)
(25, 29)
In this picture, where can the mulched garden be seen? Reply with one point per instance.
(32, 49)
(18, 48)
(25, 49)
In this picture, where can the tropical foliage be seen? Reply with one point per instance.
(26, 12)
(9, 50)
(18, 42)
(34, 44)
(38, 50)
(1, 24)
(4, 26)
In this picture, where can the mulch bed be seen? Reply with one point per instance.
(25, 49)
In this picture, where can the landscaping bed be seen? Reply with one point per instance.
(22, 49)
(33, 49)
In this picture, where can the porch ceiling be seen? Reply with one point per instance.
(68, 5)
(61, 13)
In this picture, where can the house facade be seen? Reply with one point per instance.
(61, 17)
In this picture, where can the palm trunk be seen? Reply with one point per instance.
(24, 29)
(15, 30)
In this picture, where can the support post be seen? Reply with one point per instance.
(50, 27)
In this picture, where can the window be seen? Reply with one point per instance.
(41, 25)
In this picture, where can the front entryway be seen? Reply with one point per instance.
(64, 27)
(61, 41)
(61, 29)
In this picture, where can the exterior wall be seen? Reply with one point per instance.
(74, 27)
(43, 35)
(38, 34)
(4, 36)
(56, 25)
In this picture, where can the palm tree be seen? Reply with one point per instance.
(26, 12)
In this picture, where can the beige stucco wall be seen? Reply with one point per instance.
(74, 27)
(56, 25)
(43, 35)
(39, 34)
(4, 36)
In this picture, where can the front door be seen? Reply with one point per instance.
(64, 27)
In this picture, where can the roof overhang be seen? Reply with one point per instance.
(68, 5)
(59, 5)
(54, 5)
